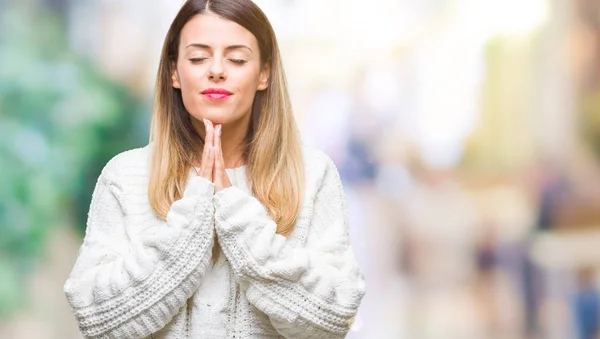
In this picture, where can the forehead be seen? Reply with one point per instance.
(212, 30)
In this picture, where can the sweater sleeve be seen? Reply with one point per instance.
(130, 287)
(308, 292)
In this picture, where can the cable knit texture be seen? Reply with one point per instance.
(138, 276)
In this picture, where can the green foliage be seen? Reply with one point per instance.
(61, 120)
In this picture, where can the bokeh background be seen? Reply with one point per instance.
(467, 134)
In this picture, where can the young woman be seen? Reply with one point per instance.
(224, 226)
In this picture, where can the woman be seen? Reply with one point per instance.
(224, 226)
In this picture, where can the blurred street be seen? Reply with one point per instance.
(467, 135)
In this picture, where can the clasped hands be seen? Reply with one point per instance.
(212, 167)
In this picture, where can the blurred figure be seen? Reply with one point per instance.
(552, 187)
(486, 264)
(586, 305)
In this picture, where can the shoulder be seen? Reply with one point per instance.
(316, 161)
(127, 164)
(319, 167)
(313, 156)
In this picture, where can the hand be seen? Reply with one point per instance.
(208, 154)
(212, 167)
(221, 180)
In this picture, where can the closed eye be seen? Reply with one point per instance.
(197, 60)
(238, 61)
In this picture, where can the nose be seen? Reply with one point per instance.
(217, 72)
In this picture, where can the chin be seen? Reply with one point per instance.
(217, 117)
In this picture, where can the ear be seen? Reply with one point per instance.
(265, 73)
(175, 77)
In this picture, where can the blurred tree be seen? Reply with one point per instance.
(61, 120)
(590, 121)
(503, 139)
(588, 80)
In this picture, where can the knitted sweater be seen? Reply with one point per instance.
(138, 276)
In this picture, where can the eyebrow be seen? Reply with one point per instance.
(228, 48)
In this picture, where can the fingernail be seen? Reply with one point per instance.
(205, 123)
(219, 130)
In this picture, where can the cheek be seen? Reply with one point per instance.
(248, 84)
(247, 91)
(189, 77)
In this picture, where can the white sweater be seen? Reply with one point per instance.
(137, 276)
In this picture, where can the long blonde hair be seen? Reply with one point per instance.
(273, 154)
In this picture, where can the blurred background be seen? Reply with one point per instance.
(467, 134)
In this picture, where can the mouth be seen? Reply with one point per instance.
(216, 94)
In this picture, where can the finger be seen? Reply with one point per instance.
(205, 156)
(217, 140)
(221, 157)
(219, 163)
(219, 168)
(207, 167)
(210, 131)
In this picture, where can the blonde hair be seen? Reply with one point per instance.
(272, 152)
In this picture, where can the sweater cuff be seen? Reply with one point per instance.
(197, 185)
(227, 199)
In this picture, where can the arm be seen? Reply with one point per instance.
(126, 288)
(310, 292)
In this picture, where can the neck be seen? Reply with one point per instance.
(233, 139)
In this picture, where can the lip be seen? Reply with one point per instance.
(216, 94)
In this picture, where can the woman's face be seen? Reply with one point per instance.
(218, 69)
